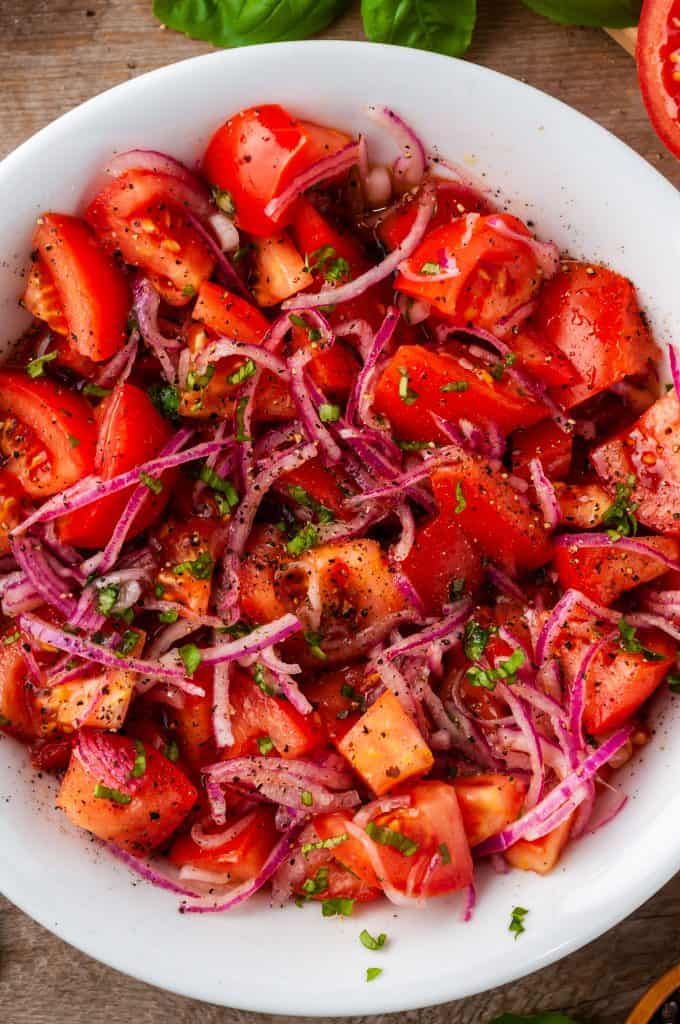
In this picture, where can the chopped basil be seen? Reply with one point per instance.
(199, 381)
(314, 641)
(154, 485)
(506, 669)
(444, 853)
(324, 844)
(94, 391)
(306, 798)
(191, 656)
(673, 680)
(373, 972)
(415, 446)
(475, 639)
(329, 413)
(166, 398)
(316, 885)
(351, 694)
(461, 503)
(305, 538)
(36, 367)
(406, 393)
(265, 744)
(243, 372)
(628, 642)
(517, 921)
(430, 267)
(241, 435)
(498, 369)
(455, 385)
(168, 617)
(334, 907)
(106, 599)
(389, 837)
(201, 568)
(106, 793)
(171, 751)
(74, 441)
(139, 767)
(619, 519)
(367, 940)
(129, 641)
(259, 680)
(313, 333)
(11, 638)
(188, 291)
(224, 200)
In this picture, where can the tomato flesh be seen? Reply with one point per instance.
(240, 858)
(604, 573)
(658, 42)
(259, 715)
(547, 442)
(443, 561)
(488, 804)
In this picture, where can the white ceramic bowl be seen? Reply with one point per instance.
(596, 198)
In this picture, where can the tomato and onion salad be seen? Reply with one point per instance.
(341, 523)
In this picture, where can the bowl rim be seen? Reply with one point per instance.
(648, 883)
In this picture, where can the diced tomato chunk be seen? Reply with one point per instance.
(418, 384)
(157, 805)
(493, 514)
(351, 853)
(453, 200)
(190, 551)
(541, 358)
(337, 696)
(546, 442)
(17, 712)
(193, 723)
(278, 270)
(488, 804)
(229, 315)
(604, 573)
(327, 487)
(646, 455)
(442, 562)
(240, 858)
(582, 505)
(592, 315)
(385, 747)
(259, 715)
(540, 855)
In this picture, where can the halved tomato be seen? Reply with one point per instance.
(658, 42)
(238, 859)
(131, 433)
(49, 433)
(76, 285)
(256, 153)
(143, 215)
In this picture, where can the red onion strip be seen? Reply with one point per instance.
(545, 492)
(322, 170)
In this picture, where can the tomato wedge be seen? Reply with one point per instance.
(142, 215)
(658, 42)
(442, 562)
(256, 153)
(604, 573)
(49, 433)
(131, 433)
(453, 200)
(238, 859)
(76, 287)
(488, 804)
(17, 710)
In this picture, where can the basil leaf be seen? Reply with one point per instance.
(244, 22)
(612, 13)
(445, 27)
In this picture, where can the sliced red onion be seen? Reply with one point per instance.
(408, 591)
(322, 170)
(223, 347)
(441, 630)
(285, 682)
(282, 782)
(165, 639)
(377, 183)
(117, 370)
(465, 736)
(357, 401)
(541, 701)
(503, 583)
(555, 621)
(316, 431)
(243, 892)
(561, 798)
(507, 324)
(377, 273)
(359, 329)
(261, 638)
(145, 305)
(577, 692)
(147, 872)
(395, 488)
(603, 540)
(213, 840)
(216, 800)
(610, 815)
(410, 167)
(30, 556)
(73, 498)
(161, 163)
(526, 725)
(396, 682)
(479, 193)
(641, 620)
(106, 762)
(46, 633)
(384, 805)
(470, 903)
(225, 271)
(547, 253)
(402, 549)
(675, 369)
(545, 492)
(221, 710)
(414, 311)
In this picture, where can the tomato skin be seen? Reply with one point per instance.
(160, 804)
(545, 441)
(497, 274)
(540, 855)
(647, 451)
(496, 517)
(142, 215)
(241, 858)
(484, 401)
(385, 747)
(92, 291)
(453, 200)
(592, 315)
(657, 40)
(256, 714)
(604, 573)
(17, 711)
(488, 804)
(432, 821)
(41, 416)
(256, 153)
(442, 554)
(134, 433)
(541, 358)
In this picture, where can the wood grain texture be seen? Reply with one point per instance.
(53, 55)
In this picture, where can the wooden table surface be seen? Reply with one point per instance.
(57, 53)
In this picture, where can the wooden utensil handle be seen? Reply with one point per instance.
(625, 37)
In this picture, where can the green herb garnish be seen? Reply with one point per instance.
(329, 413)
(106, 599)
(335, 907)
(406, 393)
(168, 617)
(171, 751)
(106, 793)
(243, 372)
(314, 640)
(304, 539)
(475, 639)
(265, 744)
(139, 767)
(444, 853)
(241, 407)
(191, 656)
(389, 837)
(619, 519)
(628, 642)
(324, 844)
(371, 942)
(94, 391)
(36, 367)
(154, 485)
(316, 885)
(373, 972)
(456, 386)
(166, 398)
(506, 669)
(259, 680)
(201, 568)
(517, 921)
(224, 200)
(461, 503)
(129, 641)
